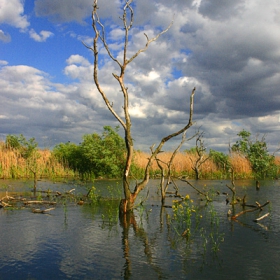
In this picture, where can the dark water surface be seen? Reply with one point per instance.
(89, 242)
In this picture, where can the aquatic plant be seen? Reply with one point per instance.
(189, 223)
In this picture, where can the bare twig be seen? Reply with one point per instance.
(262, 217)
(249, 210)
(42, 211)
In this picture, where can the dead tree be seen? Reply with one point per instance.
(233, 190)
(127, 203)
(200, 152)
(164, 185)
(258, 207)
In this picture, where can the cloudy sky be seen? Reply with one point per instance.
(228, 50)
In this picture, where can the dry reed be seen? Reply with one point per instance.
(13, 165)
(184, 162)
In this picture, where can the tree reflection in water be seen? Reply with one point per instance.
(127, 221)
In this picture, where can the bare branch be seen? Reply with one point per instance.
(149, 41)
(95, 19)
(142, 184)
(127, 6)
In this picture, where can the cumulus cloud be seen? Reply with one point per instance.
(6, 38)
(77, 10)
(229, 51)
(33, 105)
(11, 12)
(63, 10)
(41, 37)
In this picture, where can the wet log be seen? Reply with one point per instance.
(260, 218)
(7, 197)
(249, 210)
(4, 204)
(39, 202)
(42, 211)
(69, 192)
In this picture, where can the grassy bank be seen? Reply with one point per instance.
(13, 165)
(184, 162)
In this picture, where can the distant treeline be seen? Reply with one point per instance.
(103, 156)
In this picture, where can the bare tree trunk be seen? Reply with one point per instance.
(127, 203)
(164, 187)
(200, 151)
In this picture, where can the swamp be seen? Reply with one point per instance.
(76, 232)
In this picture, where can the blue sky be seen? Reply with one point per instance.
(229, 51)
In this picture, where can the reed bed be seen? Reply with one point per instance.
(183, 164)
(14, 166)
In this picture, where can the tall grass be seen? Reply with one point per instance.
(183, 164)
(13, 165)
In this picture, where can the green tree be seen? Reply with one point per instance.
(12, 142)
(68, 154)
(20, 143)
(28, 149)
(263, 164)
(97, 156)
(220, 159)
(104, 154)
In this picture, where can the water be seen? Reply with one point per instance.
(86, 242)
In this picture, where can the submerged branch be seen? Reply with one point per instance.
(39, 202)
(249, 210)
(42, 211)
(200, 192)
(262, 217)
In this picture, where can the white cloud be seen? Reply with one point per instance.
(11, 12)
(3, 62)
(6, 38)
(41, 37)
(77, 59)
(229, 51)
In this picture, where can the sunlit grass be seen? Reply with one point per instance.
(13, 165)
(183, 164)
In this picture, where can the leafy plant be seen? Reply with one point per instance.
(27, 150)
(25, 147)
(97, 155)
(220, 159)
(263, 164)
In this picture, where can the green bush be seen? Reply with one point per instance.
(97, 156)
(263, 164)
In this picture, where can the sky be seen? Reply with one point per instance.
(228, 50)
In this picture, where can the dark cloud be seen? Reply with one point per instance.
(221, 9)
(229, 51)
(63, 10)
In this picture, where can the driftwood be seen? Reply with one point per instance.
(69, 192)
(42, 211)
(200, 192)
(4, 204)
(259, 207)
(7, 197)
(56, 192)
(262, 217)
(39, 202)
(233, 200)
